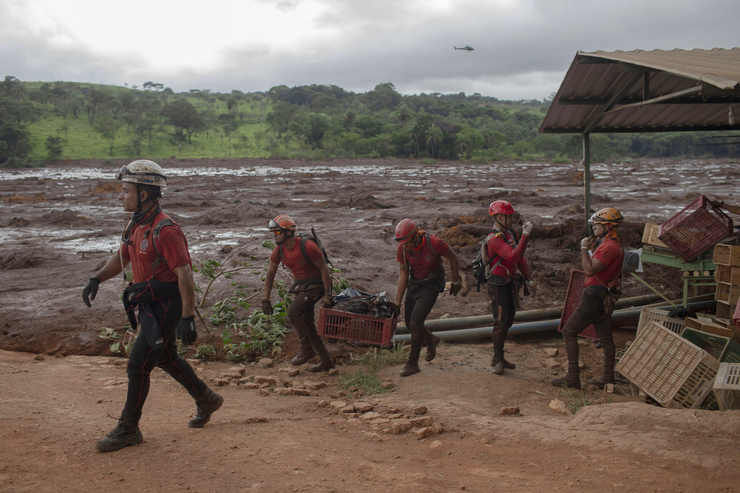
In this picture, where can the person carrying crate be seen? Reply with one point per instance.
(504, 254)
(305, 260)
(419, 255)
(603, 286)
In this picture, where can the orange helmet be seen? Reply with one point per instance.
(608, 215)
(283, 221)
(405, 230)
(500, 207)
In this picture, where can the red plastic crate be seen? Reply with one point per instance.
(576, 285)
(353, 327)
(695, 229)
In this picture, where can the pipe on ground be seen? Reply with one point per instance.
(523, 316)
(621, 317)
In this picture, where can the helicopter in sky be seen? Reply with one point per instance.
(466, 48)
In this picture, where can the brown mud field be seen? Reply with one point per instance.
(60, 382)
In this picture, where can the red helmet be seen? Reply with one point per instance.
(405, 230)
(283, 221)
(500, 207)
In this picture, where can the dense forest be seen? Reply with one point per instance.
(64, 120)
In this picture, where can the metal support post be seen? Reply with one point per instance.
(587, 178)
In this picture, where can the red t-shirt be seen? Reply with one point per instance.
(172, 246)
(423, 261)
(297, 263)
(499, 245)
(611, 254)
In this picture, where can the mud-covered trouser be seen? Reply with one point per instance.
(143, 359)
(503, 305)
(301, 315)
(419, 303)
(590, 310)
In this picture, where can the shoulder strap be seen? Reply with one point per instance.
(431, 247)
(303, 248)
(155, 237)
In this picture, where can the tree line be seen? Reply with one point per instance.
(314, 121)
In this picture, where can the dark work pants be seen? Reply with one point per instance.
(301, 315)
(590, 310)
(503, 306)
(143, 359)
(419, 303)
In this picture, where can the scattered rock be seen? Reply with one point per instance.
(347, 409)
(399, 426)
(419, 409)
(272, 381)
(39, 357)
(322, 403)
(237, 369)
(333, 371)
(422, 422)
(508, 411)
(422, 433)
(610, 388)
(380, 421)
(437, 428)
(559, 406)
(294, 372)
(369, 416)
(387, 385)
(301, 392)
(284, 391)
(220, 382)
(266, 362)
(337, 405)
(231, 376)
(315, 385)
(553, 364)
(363, 407)
(551, 351)
(194, 361)
(437, 444)
(264, 392)
(250, 385)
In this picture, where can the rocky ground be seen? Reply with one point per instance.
(280, 431)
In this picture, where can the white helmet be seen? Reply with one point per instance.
(144, 172)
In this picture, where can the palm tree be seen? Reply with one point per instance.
(462, 144)
(416, 136)
(434, 140)
(349, 118)
(384, 141)
(404, 114)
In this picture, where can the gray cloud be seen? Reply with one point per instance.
(518, 55)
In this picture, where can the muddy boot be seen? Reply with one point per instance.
(303, 356)
(126, 433)
(571, 380)
(609, 360)
(323, 365)
(499, 362)
(498, 366)
(410, 369)
(432, 342)
(208, 405)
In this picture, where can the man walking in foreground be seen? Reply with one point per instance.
(164, 292)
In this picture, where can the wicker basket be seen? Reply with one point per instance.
(669, 368)
(650, 314)
(727, 386)
(353, 327)
(695, 229)
(576, 285)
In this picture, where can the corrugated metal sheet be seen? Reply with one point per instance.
(593, 78)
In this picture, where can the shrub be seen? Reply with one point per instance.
(427, 160)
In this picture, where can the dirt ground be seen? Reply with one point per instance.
(61, 383)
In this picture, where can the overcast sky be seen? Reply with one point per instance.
(522, 47)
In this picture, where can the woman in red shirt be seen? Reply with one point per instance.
(506, 254)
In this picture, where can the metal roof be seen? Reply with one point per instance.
(648, 91)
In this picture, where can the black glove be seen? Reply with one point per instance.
(90, 290)
(267, 307)
(186, 330)
(455, 288)
(327, 301)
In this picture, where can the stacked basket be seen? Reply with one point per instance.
(727, 275)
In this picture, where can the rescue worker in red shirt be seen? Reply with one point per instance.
(419, 255)
(506, 253)
(604, 277)
(306, 263)
(164, 292)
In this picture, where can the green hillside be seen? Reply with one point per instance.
(51, 121)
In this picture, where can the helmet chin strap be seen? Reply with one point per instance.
(498, 223)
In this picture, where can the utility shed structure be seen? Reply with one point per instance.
(646, 91)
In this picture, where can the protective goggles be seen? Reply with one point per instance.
(140, 177)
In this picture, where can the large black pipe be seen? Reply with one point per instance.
(621, 317)
(523, 316)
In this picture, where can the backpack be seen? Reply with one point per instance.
(482, 265)
(155, 236)
(303, 237)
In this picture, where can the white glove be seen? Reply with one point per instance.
(586, 243)
(528, 227)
